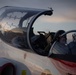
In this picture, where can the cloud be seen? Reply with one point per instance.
(71, 14)
(64, 10)
(57, 19)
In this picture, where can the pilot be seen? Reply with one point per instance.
(60, 46)
(72, 45)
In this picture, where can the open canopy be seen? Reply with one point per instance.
(27, 29)
(17, 23)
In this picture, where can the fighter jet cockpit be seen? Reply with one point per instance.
(34, 30)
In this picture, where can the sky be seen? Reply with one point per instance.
(64, 11)
(66, 8)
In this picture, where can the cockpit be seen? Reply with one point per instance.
(34, 29)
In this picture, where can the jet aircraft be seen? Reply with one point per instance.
(30, 48)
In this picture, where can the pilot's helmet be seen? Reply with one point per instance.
(58, 37)
(59, 33)
(74, 37)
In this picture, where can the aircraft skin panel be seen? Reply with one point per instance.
(37, 63)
